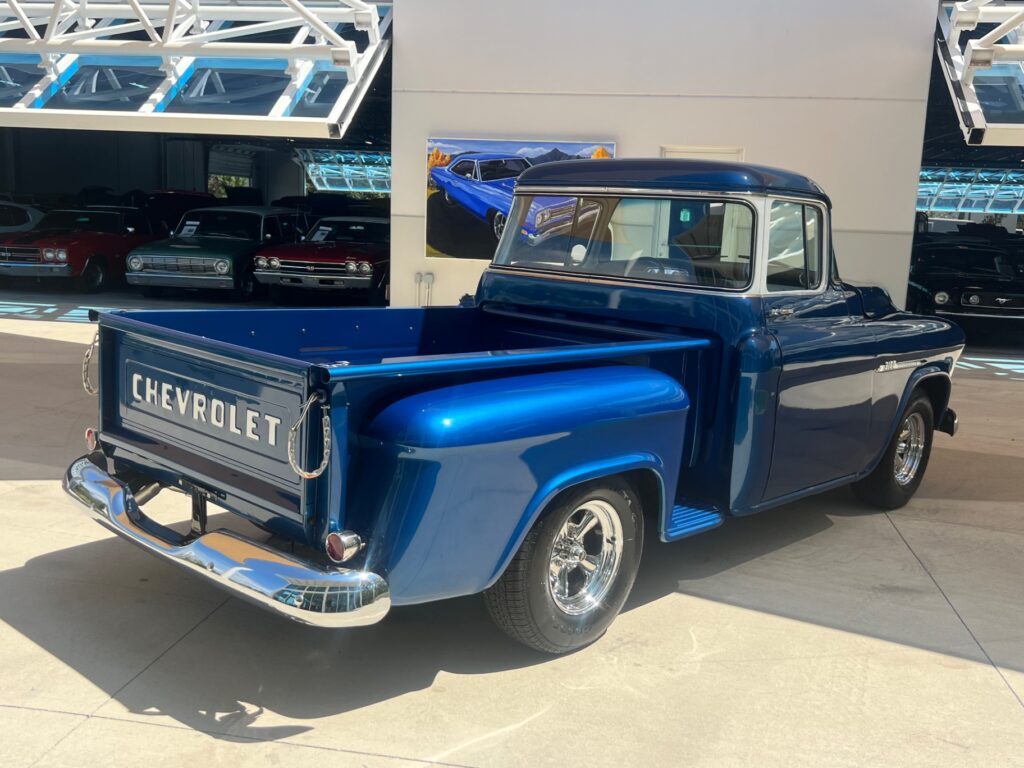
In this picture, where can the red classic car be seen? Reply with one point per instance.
(338, 253)
(87, 245)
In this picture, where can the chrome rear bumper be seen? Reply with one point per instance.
(279, 582)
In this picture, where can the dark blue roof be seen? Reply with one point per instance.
(658, 173)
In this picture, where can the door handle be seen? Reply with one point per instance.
(780, 311)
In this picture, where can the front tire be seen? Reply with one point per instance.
(498, 220)
(899, 473)
(94, 277)
(574, 570)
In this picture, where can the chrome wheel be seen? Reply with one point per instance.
(585, 557)
(498, 224)
(909, 449)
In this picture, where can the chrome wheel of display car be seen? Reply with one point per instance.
(901, 468)
(909, 449)
(498, 224)
(572, 573)
(94, 276)
(585, 557)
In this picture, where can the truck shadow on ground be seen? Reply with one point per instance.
(233, 671)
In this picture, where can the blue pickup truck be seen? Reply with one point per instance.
(684, 353)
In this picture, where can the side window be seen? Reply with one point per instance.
(12, 217)
(795, 239)
(290, 230)
(271, 230)
(464, 168)
(138, 223)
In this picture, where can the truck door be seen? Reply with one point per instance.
(823, 404)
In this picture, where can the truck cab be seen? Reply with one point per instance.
(674, 349)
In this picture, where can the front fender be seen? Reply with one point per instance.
(933, 374)
(452, 480)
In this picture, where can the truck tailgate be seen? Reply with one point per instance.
(218, 419)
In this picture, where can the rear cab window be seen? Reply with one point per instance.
(690, 241)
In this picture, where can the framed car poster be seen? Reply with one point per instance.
(470, 183)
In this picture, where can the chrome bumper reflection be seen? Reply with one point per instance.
(287, 585)
(313, 280)
(33, 269)
(180, 280)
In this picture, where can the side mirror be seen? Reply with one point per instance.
(578, 254)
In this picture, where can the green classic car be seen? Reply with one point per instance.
(213, 248)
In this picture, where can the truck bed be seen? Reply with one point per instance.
(204, 400)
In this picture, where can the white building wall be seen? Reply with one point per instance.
(835, 90)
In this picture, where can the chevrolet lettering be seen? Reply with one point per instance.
(673, 348)
(203, 409)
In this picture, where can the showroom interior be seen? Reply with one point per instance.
(818, 633)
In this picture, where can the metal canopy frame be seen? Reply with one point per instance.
(294, 68)
(341, 171)
(971, 190)
(962, 60)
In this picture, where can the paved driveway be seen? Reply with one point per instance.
(818, 634)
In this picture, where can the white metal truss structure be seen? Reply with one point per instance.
(971, 190)
(981, 50)
(340, 171)
(296, 68)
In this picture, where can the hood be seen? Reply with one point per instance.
(978, 280)
(208, 247)
(328, 251)
(49, 238)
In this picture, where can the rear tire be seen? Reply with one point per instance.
(574, 570)
(899, 473)
(245, 287)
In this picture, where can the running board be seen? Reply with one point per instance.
(688, 520)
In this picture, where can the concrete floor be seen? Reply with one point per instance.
(819, 634)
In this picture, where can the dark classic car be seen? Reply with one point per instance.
(214, 248)
(968, 279)
(482, 183)
(338, 253)
(674, 360)
(88, 245)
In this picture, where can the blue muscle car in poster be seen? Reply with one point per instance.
(482, 183)
(470, 187)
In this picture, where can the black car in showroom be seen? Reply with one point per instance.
(968, 278)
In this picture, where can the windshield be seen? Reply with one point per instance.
(340, 231)
(675, 240)
(236, 224)
(81, 221)
(964, 259)
(509, 168)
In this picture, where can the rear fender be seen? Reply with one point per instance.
(449, 482)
